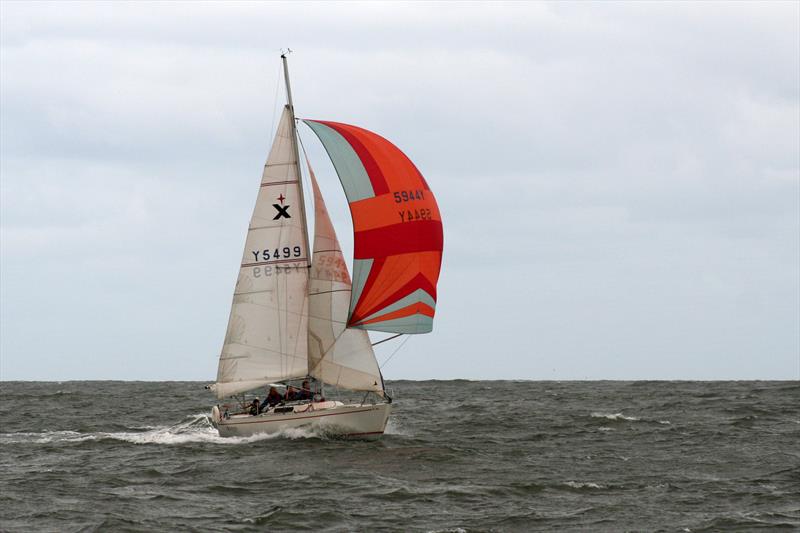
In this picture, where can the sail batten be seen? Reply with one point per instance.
(397, 228)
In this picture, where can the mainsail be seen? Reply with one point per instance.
(398, 231)
(336, 355)
(267, 334)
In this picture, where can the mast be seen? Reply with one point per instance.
(290, 105)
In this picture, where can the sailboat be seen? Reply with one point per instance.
(297, 315)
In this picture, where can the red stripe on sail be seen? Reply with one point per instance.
(417, 308)
(403, 238)
(374, 273)
(379, 185)
(417, 282)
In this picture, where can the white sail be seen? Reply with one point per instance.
(336, 355)
(266, 340)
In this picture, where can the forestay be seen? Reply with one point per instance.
(398, 231)
(336, 355)
(266, 339)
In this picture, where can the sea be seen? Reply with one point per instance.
(457, 457)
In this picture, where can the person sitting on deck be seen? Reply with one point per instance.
(291, 394)
(254, 407)
(273, 398)
(305, 393)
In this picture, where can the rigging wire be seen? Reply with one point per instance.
(306, 178)
(302, 147)
(386, 340)
(395, 351)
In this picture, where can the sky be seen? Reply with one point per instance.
(619, 182)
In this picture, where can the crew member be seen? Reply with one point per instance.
(305, 393)
(291, 394)
(273, 398)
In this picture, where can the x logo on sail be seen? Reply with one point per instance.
(282, 211)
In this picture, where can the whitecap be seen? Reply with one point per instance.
(44, 437)
(588, 485)
(200, 429)
(614, 416)
(393, 427)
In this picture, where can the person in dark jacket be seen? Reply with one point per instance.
(273, 398)
(305, 393)
(291, 394)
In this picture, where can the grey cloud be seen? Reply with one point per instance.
(619, 182)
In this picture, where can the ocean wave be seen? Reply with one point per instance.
(393, 427)
(44, 437)
(579, 485)
(619, 417)
(197, 429)
(614, 416)
(146, 457)
(205, 434)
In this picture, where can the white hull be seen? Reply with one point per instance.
(329, 418)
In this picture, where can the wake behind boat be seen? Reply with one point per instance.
(300, 316)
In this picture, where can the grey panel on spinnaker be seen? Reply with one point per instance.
(351, 171)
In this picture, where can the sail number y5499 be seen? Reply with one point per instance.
(266, 255)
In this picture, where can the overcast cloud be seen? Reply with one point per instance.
(619, 182)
